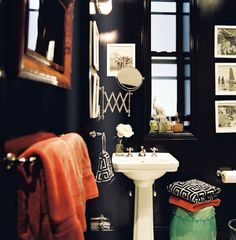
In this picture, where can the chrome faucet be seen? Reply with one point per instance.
(142, 153)
(154, 150)
(130, 149)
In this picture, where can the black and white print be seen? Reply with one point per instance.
(119, 55)
(225, 41)
(225, 112)
(225, 81)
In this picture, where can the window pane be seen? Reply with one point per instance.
(163, 7)
(169, 70)
(34, 4)
(186, 33)
(165, 92)
(186, 7)
(163, 33)
(187, 70)
(187, 97)
(166, 58)
(33, 30)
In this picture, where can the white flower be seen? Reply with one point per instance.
(124, 130)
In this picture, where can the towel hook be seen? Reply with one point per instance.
(95, 134)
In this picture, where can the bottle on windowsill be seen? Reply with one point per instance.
(178, 127)
(154, 126)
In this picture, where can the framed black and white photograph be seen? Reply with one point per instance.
(90, 43)
(94, 90)
(119, 56)
(225, 82)
(95, 46)
(225, 116)
(225, 41)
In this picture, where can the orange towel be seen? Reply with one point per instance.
(193, 207)
(69, 182)
(80, 149)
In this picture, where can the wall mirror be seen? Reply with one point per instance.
(41, 40)
(129, 78)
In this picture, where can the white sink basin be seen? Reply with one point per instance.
(143, 171)
(145, 168)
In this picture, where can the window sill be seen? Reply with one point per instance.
(170, 136)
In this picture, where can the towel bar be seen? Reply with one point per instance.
(11, 160)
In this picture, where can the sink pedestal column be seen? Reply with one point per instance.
(143, 210)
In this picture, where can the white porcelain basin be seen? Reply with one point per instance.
(145, 168)
(143, 171)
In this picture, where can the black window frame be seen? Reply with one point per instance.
(183, 58)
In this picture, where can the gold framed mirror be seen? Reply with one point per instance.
(49, 58)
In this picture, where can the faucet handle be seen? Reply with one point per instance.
(142, 153)
(154, 150)
(143, 149)
(130, 149)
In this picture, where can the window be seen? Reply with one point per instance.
(170, 56)
(33, 24)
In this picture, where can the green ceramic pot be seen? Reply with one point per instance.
(186, 225)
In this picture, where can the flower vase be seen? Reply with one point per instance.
(119, 149)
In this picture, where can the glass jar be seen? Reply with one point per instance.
(119, 149)
(153, 126)
(200, 225)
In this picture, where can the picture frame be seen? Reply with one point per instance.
(94, 92)
(225, 78)
(225, 116)
(95, 49)
(119, 55)
(225, 41)
(90, 43)
(26, 63)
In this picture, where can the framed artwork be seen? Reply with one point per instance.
(225, 41)
(225, 116)
(95, 52)
(225, 81)
(119, 55)
(90, 43)
(94, 90)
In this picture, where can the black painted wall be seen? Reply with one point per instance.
(28, 106)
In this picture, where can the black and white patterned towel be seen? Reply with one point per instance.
(105, 172)
(194, 190)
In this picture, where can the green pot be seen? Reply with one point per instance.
(186, 225)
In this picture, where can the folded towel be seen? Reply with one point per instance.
(193, 207)
(68, 181)
(194, 190)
